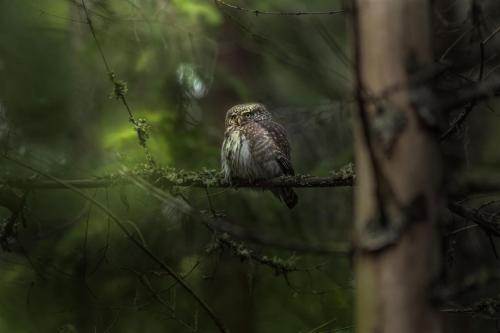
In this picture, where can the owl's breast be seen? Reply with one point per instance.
(236, 157)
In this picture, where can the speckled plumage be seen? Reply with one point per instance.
(255, 147)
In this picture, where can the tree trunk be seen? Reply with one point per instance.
(399, 170)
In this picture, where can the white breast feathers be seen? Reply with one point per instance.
(242, 159)
(236, 157)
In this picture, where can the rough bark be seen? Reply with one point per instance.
(399, 171)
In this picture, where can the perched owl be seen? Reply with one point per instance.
(255, 147)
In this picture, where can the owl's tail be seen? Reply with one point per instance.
(287, 195)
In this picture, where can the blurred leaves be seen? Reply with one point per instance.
(198, 9)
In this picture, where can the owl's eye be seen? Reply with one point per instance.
(247, 115)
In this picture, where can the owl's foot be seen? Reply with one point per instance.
(236, 182)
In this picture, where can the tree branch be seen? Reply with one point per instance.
(169, 177)
(478, 92)
(455, 125)
(475, 216)
(263, 12)
(264, 238)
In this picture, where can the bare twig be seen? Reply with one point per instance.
(264, 238)
(459, 230)
(276, 13)
(490, 37)
(455, 125)
(490, 227)
(452, 45)
(487, 308)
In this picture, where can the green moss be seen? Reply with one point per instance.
(120, 88)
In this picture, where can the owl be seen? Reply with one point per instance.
(255, 148)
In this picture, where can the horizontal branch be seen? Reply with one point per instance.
(486, 308)
(285, 13)
(168, 177)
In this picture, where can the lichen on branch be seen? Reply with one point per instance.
(165, 177)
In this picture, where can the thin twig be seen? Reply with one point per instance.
(493, 34)
(455, 125)
(492, 228)
(264, 238)
(280, 13)
(452, 45)
(468, 109)
(459, 230)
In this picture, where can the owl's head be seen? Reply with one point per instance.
(243, 113)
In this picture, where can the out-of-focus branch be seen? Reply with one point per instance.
(490, 227)
(168, 177)
(280, 13)
(478, 92)
(264, 238)
(487, 308)
(240, 250)
(455, 125)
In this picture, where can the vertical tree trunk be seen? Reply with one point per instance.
(399, 170)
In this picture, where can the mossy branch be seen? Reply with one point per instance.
(240, 250)
(168, 177)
